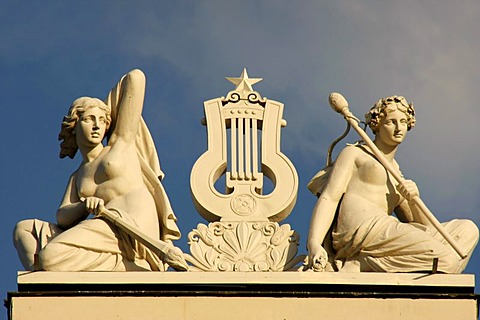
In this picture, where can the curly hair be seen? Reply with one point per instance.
(68, 146)
(382, 106)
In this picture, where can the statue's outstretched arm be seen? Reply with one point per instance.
(326, 206)
(71, 211)
(129, 108)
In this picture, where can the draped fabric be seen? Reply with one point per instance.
(150, 164)
(98, 245)
(92, 245)
(384, 244)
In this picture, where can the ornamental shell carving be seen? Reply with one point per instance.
(243, 246)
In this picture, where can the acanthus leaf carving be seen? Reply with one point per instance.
(243, 246)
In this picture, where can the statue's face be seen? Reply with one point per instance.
(393, 127)
(90, 127)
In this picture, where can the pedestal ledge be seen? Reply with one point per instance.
(308, 281)
(365, 278)
(242, 295)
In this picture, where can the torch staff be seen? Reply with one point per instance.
(340, 105)
(170, 254)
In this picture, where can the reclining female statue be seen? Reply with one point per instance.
(353, 215)
(122, 176)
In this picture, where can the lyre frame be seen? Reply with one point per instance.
(244, 114)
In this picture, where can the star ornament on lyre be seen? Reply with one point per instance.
(244, 83)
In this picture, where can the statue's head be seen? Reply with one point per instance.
(68, 146)
(383, 106)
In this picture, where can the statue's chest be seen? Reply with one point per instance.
(380, 182)
(94, 176)
(372, 172)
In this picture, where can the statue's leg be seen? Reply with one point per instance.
(425, 244)
(26, 243)
(91, 245)
(466, 234)
(392, 246)
(351, 265)
(29, 237)
(57, 256)
(127, 265)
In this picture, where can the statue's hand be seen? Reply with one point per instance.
(408, 189)
(317, 258)
(93, 205)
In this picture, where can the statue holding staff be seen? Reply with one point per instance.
(119, 180)
(353, 218)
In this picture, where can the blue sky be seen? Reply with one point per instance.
(55, 51)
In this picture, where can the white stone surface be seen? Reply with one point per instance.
(218, 295)
(241, 308)
(364, 278)
(358, 194)
(243, 146)
(244, 246)
(237, 127)
(121, 176)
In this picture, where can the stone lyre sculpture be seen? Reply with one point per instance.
(115, 214)
(244, 146)
(352, 228)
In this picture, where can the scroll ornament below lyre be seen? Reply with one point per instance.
(243, 246)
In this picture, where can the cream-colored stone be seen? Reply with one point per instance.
(237, 126)
(222, 295)
(244, 145)
(364, 236)
(121, 176)
(414, 280)
(211, 295)
(232, 308)
(243, 246)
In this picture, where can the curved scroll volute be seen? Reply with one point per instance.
(237, 127)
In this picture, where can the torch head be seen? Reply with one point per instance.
(338, 102)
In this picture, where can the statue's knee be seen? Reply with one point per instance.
(471, 229)
(50, 256)
(21, 229)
